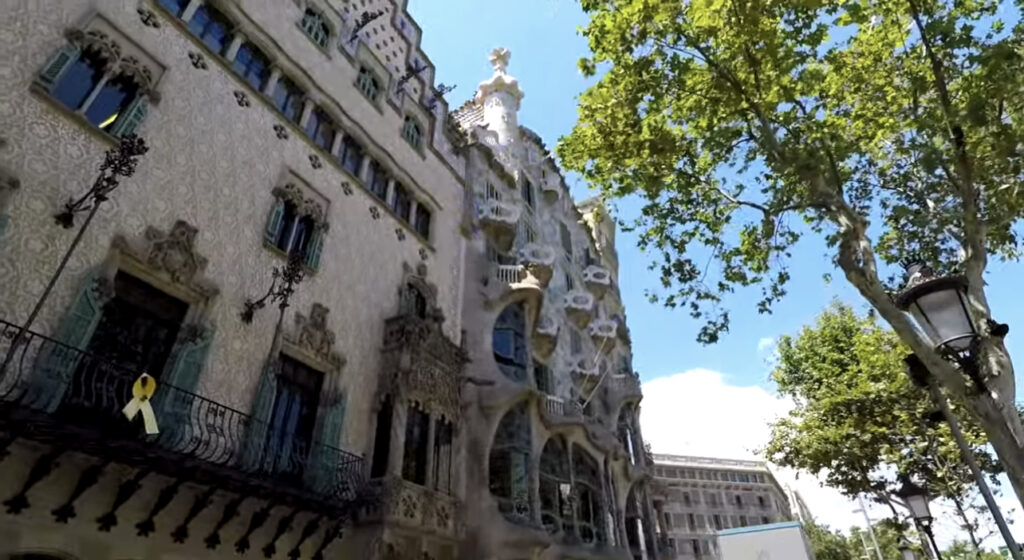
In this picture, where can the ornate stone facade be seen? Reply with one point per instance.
(361, 416)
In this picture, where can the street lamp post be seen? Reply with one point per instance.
(921, 377)
(906, 552)
(917, 500)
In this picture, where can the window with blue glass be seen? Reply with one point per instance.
(509, 342)
(351, 155)
(321, 129)
(81, 77)
(402, 203)
(293, 416)
(252, 65)
(422, 223)
(211, 27)
(288, 98)
(176, 7)
(294, 232)
(377, 180)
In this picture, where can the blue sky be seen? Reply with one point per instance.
(701, 400)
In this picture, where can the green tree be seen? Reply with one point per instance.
(857, 420)
(747, 124)
(963, 550)
(828, 544)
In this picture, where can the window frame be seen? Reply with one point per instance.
(412, 132)
(244, 71)
(215, 17)
(422, 220)
(319, 119)
(292, 92)
(368, 84)
(314, 21)
(402, 202)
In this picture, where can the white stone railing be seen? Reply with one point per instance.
(508, 273)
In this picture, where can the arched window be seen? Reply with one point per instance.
(315, 27)
(509, 342)
(510, 465)
(555, 487)
(368, 84)
(411, 132)
(83, 80)
(589, 496)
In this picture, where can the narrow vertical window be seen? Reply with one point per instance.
(377, 180)
(402, 203)
(411, 132)
(288, 99)
(382, 440)
(422, 224)
(321, 129)
(414, 460)
(367, 83)
(443, 439)
(252, 65)
(351, 155)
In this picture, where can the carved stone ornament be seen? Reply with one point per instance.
(423, 254)
(103, 45)
(305, 206)
(242, 98)
(374, 212)
(148, 18)
(8, 184)
(314, 160)
(281, 131)
(400, 234)
(313, 336)
(346, 188)
(197, 60)
(171, 255)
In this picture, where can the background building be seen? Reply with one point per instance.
(449, 379)
(695, 497)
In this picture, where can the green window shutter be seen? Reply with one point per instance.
(129, 122)
(316, 246)
(179, 380)
(56, 364)
(259, 422)
(275, 221)
(56, 65)
(322, 470)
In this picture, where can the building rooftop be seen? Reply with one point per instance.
(708, 462)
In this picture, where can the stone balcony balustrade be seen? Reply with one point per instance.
(624, 384)
(597, 279)
(551, 189)
(579, 307)
(561, 411)
(498, 219)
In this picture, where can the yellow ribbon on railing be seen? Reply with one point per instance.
(142, 392)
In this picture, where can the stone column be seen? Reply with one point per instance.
(307, 110)
(275, 75)
(431, 435)
(190, 10)
(336, 144)
(236, 43)
(396, 453)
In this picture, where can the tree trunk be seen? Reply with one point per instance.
(968, 526)
(1000, 430)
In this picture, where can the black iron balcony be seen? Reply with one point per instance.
(54, 393)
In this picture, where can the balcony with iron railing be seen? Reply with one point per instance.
(57, 394)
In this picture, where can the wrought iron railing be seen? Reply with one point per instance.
(76, 398)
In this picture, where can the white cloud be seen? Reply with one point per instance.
(765, 345)
(698, 412)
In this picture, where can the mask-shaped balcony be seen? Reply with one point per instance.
(597, 279)
(551, 189)
(498, 220)
(579, 307)
(603, 332)
(539, 261)
(545, 337)
(585, 374)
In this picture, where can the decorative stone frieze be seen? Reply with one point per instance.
(420, 363)
(399, 502)
(172, 256)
